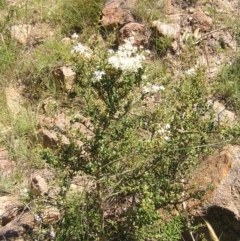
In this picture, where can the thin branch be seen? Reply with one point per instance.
(206, 34)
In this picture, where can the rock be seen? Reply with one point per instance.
(116, 12)
(140, 32)
(171, 30)
(221, 182)
(82, 183)
(223, 116)
(49, 138)
(174, 46)
(39, 32)
(17, 227)
(64, 77)
(62, 122)
(39, 186)
(53, 130)
(227, 193)
(201, 20)
(11, 212)
(224, 39)
(66, 41)
(9, 207)
(168, 8)
(14, 100)
(21, 32)
(51, 215)
(52, 138)
(6, 165)
(69, 76)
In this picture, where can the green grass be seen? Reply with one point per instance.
(8, 54)
(3, 4)
(6, 185)
(78, 16)
(228, 86)
(147, 11)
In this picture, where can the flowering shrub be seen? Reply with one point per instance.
(137, 155)
(127, 58)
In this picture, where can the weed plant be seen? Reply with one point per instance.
(147, 131)
(137, 155)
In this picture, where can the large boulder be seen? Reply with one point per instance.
(140, 32)
(14, 100)
(171, 30)
(117, 12)
(201, 20)
(21, 32)
(17, 227)
(218, 178)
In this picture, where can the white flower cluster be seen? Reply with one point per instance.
(152, 88)
(128, 57)
(74, 36)
(164, 131)
(98, 75)
(79, 48)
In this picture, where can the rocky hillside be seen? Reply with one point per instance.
(119, 120)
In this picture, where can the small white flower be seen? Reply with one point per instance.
(166, 138)
(110, 51)
(74, 36)
(164, 131)
(161, 87)
(151, 88)
(167, 126)
(144, 77)
(161, 131)
(98, 75)
(190, 71)
(147, 51)
(155, 88)
(79, 48)
(146, 89)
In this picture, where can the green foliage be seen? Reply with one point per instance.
(162, 44)
(37, 74)
(77, 16)
(6, 185)
(147, 11)
(2, 4)
(137, 157)
(172, 229)
(80, 219)
(228, 85)
(8, 54)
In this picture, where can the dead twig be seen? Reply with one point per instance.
(207, 34)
